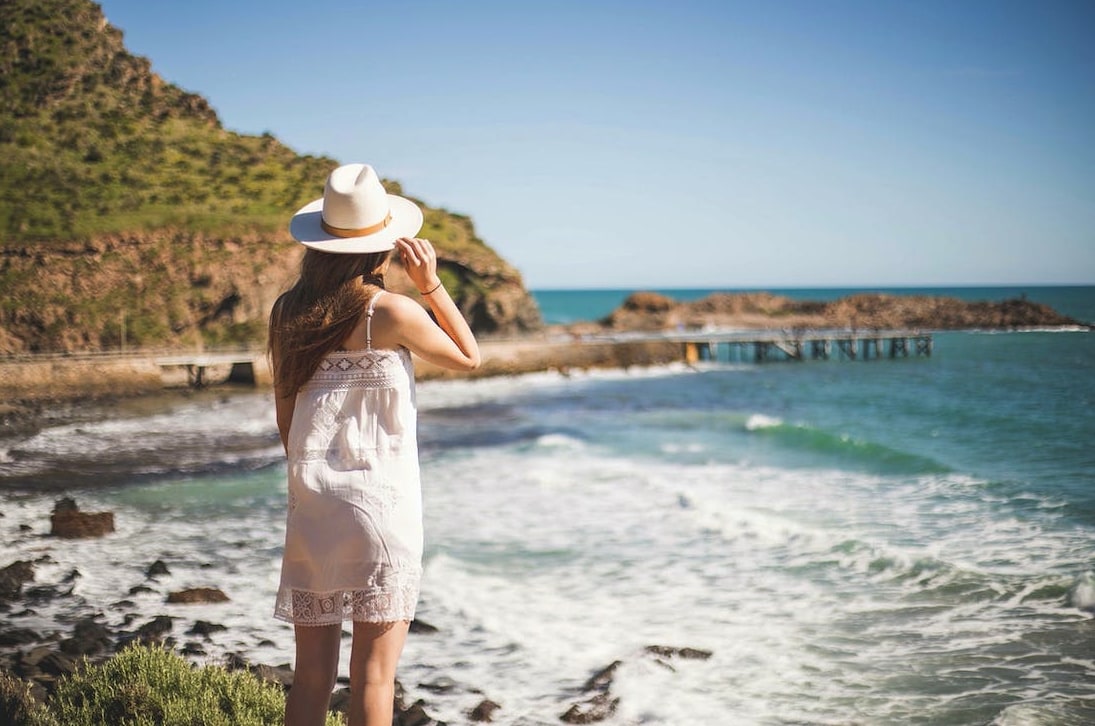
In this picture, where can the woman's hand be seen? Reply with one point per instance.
(420, 261)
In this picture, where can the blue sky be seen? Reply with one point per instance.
(685, 144)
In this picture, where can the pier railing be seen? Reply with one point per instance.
(764, 346)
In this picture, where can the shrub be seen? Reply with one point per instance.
(146, 686)
(17, 706)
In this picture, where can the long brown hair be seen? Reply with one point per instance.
(319, 312)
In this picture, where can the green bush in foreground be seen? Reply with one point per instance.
(144, 686)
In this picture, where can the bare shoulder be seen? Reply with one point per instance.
(399, 307)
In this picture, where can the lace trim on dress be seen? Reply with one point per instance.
(394, 601)
(358, 369)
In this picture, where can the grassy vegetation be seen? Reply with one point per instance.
(146, 686)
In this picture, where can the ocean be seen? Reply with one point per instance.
(906, 541)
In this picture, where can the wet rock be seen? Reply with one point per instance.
(88, 638)
(123, 605)
(235, 662)
(205, 629)
(423, 628)
(73, 576)
(68, 522)
(46, 592)
(19, 636)
(25, 528)
(600, 704)
(602, 679)
(665, 651)
(153, 631)
(443, 684)
(484, 712)
(193, 647)
(281, 675)
(598, 707)
(157, 568)
(138, 589)
(415, 715)
(197, 595)
(57, 664)
(267, 643)
(13, 577)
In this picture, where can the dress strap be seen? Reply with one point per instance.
(369, 320)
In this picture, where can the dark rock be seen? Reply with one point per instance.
(235, 662)
(157, 568)
(439, 685)
(193, 647)
(45, 592)
(197, 595)
(664, 651)
(88, 638)
(58, 664)
(602, 679)
(19, 636)
(267, 643)
(154, 630)
(72, 576)
(423, 628)
(415, 715)
(68, 522)
(205, 629)
(138, 589)
(484, 712)
(13, 577)
(596, 708)
(273, 674)
(122, 605)
(25, 528)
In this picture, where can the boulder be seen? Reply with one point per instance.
(154, 630)
(88, 638)
(665, 651)
(157, 568)
(13, 577)
(484, 712)
(194, 595)
(205, 629)
(68, 522)
(599, 707)
(19, 636)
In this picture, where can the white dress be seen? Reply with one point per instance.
(353, 535)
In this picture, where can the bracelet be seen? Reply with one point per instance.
(431, 292)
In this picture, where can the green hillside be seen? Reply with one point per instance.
(119, 190)
(91, 141)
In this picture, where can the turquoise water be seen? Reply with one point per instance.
(568, 306)
(888, 542)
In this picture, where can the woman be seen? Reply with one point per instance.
(344, 387)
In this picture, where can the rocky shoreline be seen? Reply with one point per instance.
(33, 391)
(93, 632)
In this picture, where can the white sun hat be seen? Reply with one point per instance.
(355, 215)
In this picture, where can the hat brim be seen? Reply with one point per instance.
(307, 229)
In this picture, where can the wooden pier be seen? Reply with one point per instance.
(796, 346)
(774, 346)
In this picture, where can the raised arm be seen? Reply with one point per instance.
(452, 345)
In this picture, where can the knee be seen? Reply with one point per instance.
(318, 679)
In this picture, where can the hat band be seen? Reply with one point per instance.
(346, 232)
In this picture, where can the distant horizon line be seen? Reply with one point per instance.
(761, 288)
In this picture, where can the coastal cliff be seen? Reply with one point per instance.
(129, 216)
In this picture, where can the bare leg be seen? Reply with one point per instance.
(373, 658)
(314, 674)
